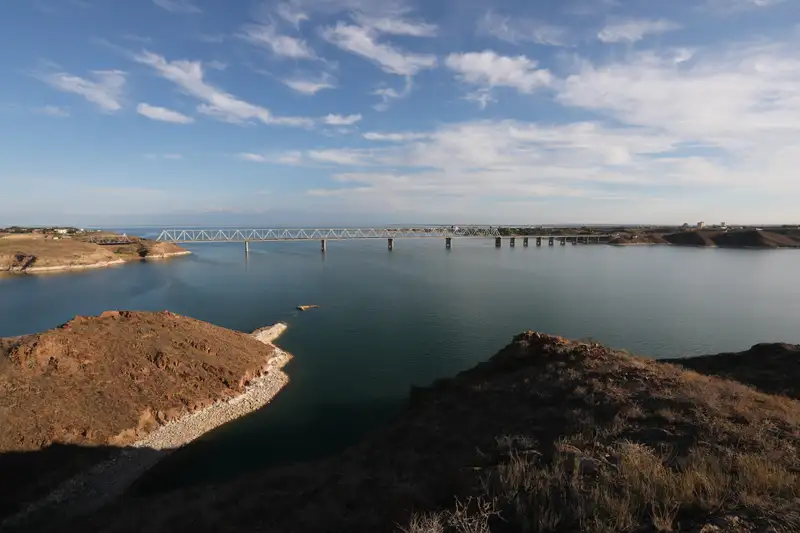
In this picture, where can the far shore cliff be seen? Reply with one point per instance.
(30, 253)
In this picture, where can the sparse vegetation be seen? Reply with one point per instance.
(547, 436)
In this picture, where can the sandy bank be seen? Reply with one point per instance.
(101, 264)
(105, 481)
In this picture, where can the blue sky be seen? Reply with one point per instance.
(341, 112)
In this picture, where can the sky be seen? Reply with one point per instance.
(370, 112)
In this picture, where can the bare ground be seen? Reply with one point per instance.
(547, 436)
(111, 381)
(40, 253)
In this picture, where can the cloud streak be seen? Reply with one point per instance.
(362, 41)
(633, 30)
(190, 79)
(163, 114)
(105, 90)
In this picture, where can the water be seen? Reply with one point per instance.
(389, 320)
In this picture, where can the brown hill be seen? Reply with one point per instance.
(772, 368)
(36, 252)
(734, 239)
(108, 380)
(691, 238)
(548, 436)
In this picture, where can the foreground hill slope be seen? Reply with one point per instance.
(548, 435)
(107, 381)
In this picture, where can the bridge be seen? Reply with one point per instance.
(447, 233)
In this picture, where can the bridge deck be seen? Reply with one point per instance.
(306, 234)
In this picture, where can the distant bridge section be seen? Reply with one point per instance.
(306, 234)
(390, 234)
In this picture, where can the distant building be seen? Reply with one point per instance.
(701, 225)
(62, 231)
(723, 225)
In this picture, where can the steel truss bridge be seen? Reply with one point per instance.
(390, 234)
(306, 234)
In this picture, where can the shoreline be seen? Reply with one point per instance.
(104, 481)
(89, 266)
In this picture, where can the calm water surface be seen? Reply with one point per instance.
(392, 319)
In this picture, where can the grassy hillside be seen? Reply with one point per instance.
(548, 435)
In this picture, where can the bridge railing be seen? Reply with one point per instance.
(243, 235)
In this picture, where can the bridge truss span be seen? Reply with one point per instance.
(307, 234)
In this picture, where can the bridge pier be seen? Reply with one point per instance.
(538, 241)
(550, 241)
(512, 241)
(391, 244)
(574, 240)
(324, 246)
(563, 241)
(498, 242)
(525, 242)
(448, 243)
(246, 247)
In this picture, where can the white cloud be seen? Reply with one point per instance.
(361, 41)
(290, 158)
(723, 122)
(255, 158)
(291, 14)
(53, 111)
(106, 91)
(340, 120)
(387, 94)
(747, 96)
(394, 137)
(397, 26)
(520, 29)
(338, 157)
(482, 97)
(310, 86)
(178, 6)
(737, 6)
(163, 114)
(189, 77)
(476, 162)
(163, 156)
(632, 30)
(370, 8)
(280, 45)
(488, 69)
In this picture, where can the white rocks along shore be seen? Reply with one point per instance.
(101, 264)
(105, 481)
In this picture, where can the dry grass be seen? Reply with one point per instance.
(547, 436)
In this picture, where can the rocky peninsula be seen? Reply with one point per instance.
(38, 253)
(113, 395)
(548, 435)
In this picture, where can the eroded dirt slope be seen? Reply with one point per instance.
(550, 436)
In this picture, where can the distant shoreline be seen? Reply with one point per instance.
(101, 264)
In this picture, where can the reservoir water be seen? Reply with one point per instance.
(389, 320)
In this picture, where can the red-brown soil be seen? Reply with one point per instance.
(110, 380)
(548, 435)
(29, 252)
